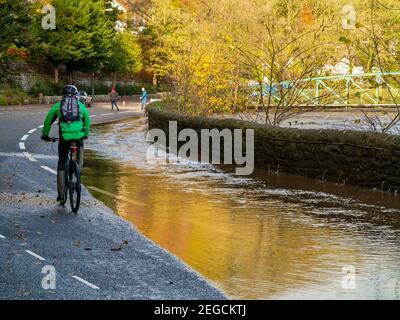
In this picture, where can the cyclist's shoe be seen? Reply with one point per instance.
(60, 200)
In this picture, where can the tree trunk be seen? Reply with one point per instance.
(235, 99)
(371, 57)
(70, 73)
(56, 74)
(92, 84)
(115, 78)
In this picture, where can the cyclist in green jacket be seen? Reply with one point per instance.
(74, 125)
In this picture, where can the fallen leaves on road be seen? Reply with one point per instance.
(21, 236)
(119, 247)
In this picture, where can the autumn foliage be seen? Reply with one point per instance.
(14, 52)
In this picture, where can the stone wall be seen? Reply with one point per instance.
(365, 159)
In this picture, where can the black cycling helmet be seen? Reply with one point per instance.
(70, 90)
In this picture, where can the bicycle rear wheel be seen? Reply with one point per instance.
(75, 187)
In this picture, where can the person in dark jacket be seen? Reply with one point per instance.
(114, 98)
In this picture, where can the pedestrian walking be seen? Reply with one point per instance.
(114, 98)
(144, 98)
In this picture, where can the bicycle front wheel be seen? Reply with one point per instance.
(75, 187)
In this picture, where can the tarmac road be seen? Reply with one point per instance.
(92, 255)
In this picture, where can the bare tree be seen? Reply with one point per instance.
(283, 55)
(380, 43)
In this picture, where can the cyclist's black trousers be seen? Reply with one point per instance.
(63, 151)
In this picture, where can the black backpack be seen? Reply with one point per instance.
(70, 110)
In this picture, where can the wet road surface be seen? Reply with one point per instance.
(92, 255)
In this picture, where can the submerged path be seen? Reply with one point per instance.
(93, 255)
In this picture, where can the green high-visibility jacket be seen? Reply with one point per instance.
(69, 131)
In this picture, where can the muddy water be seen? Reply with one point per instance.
(260, 237)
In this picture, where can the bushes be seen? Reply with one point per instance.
(46, 87)
(159, 105)
(164, 87)
(130, 90)
(3, 100)
(13, 95)
(101, 88)
(49, 88)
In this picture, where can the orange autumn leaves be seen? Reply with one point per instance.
(15, 53)
(307, 16)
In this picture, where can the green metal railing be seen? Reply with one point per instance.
(342, 90)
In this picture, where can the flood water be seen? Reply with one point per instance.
(266, 236)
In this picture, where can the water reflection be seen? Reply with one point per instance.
(256, 238)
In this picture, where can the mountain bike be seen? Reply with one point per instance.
(73, 184)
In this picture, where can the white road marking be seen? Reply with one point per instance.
(2, 237)
(86, 282)
(25, 137)
(35, 255)
(40, 127)
(11, 154)
(45, 156)
(48, 169)
(115, 196)
(32, 131)
(29, 156)
(107, 114)
(20, 155)
(93, 116)
(22, 146)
